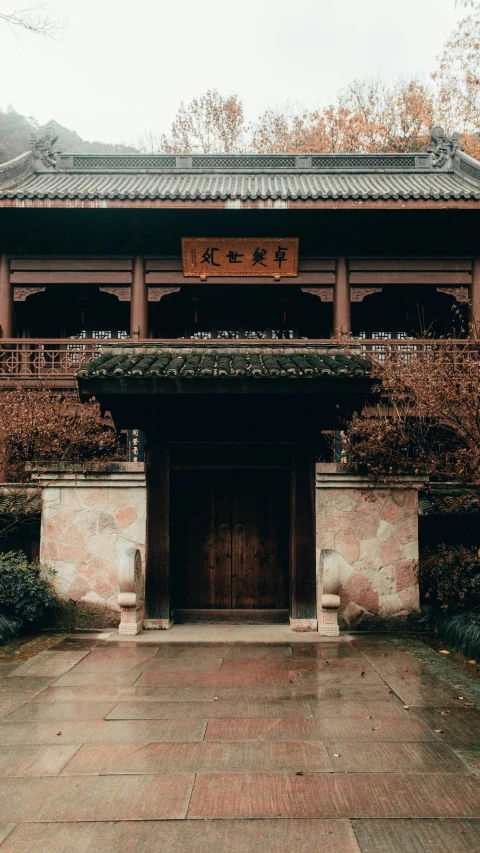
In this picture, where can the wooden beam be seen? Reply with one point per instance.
(157, 581)
(113, 264)
(410, 264)
(6, 298)
(341, 299)
(303, 588)
(139, 301)
(238, 204)
(56, 277)
(305, 278)
(381, 278)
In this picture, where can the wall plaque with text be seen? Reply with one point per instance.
(209, 257)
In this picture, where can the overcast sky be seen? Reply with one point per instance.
(123, 66)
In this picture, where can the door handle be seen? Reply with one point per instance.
(239, 528)
(223, 528)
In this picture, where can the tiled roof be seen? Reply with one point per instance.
(429, 175)
(243, 187)
(260, 362)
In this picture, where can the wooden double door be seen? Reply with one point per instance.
(230, 540)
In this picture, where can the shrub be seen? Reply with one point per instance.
(25, 592)
(9, 629)
(463, 631)
(450, 576)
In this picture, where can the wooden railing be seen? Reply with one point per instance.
(55, 362)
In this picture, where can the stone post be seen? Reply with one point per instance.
(6, 299)
(329, 598)
(131, 596)
(139, 301)
(341, 299)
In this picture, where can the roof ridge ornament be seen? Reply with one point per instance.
(445, 148)
(43, 153)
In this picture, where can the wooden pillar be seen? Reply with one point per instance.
(474, 298)
(139, 301)
(303, 610)
(6, 299)
(341, 299)
(157, 581)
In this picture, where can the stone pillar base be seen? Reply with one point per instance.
(303, 625)
(131, 620)
(328, 623)
(157, 624)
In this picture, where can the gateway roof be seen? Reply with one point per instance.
(443, 172)
(224, 362)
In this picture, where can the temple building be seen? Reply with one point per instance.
(222, 308)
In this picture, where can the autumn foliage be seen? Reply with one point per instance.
(370, 115)
(40, 426)
(427, 416)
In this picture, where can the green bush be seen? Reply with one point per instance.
(25, 592)
(463, 631)
(9, 629)
(450, 576)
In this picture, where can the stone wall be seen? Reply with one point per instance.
(90, 516)
(375, 533)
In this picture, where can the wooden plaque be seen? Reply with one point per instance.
(209, 257)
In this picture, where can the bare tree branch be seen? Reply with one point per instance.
(37, 19)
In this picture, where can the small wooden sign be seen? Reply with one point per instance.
(209, 257)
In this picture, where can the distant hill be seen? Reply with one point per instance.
(16, 131)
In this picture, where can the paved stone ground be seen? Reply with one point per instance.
(355, 746)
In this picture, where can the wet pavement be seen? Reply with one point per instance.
(348, 746)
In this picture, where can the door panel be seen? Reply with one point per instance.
(260, 540)
(230, 539)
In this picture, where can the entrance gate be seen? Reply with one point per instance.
(230, 543)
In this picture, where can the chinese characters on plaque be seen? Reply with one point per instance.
(206, 258)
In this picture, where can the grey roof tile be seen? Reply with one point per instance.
(352, 176)
(149, 360)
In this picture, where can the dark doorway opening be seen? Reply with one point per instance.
(230, 544)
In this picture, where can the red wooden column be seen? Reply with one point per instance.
(341, 299)
(6, 299)
(139, 300)
(474, 297)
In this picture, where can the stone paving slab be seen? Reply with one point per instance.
(91, 759)
(387, 795)
(100, 731)
(35, 760)
(5, 829)
(242, 836)
(393, 758)
(418, 836)
(208, 710)
(114, 694)
(304, 692)
(50, 663)
(226, 652)
(220, 679)
(71, 798)
(9, 704)
(234, 738)
(119, 678)
(200, 757)
(346, 729)
(187, 664)
(385, 707)
(27, 684)
(59, 711)
(460, 726)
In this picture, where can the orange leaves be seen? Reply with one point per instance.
(44, 425)
(426, 419)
